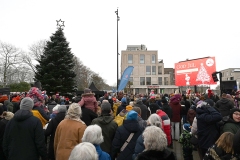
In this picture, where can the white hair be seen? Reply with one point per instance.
(93, 134)
(154, 139)
(74, 112)
(155, 120)
(131, 103)
(84, 151)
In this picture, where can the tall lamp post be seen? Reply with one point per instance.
(118, 18)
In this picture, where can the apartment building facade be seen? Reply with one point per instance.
(149, 72)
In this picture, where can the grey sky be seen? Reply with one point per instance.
(177, 29)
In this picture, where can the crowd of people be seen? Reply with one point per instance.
(35, 126)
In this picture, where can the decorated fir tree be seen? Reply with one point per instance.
(55, 68)
(203, 75)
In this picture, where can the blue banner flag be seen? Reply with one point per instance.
(125, 77)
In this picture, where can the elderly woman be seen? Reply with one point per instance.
(93, 134)
(153, 120)
(155, 143)
(69, 132)
(84, 151)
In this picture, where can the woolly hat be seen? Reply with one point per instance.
(124, 100)
(62, 108)
(186, 127)
(87, 90)
(129, 108)
(132, 115)
(106, 108)
(37, 84)
(232, 111)
(8, 115)
(164, 101)
(26, 103)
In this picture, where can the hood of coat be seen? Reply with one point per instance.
(22, 115)
(105, 119)
(131, 125)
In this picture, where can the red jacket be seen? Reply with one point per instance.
(166, 125)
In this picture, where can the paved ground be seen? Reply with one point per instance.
(177, 149)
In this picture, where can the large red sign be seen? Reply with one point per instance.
(195, 72)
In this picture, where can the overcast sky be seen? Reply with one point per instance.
(177, 29)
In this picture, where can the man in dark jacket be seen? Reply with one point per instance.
(24, 136)
(224, 105)
(51, 129)
(144, 110)
(208, 133)
(166, 108)
(108, 125)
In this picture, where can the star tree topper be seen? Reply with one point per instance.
(60, 24)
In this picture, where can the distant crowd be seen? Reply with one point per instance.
(34, 125)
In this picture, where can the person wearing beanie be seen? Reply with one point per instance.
(24, 133)
(233, 123)
(130, 127)
(224, 105)
(108, 125)
(143, 107)
(184, 139)
(52, 126)
(89, 100)
(122, 106)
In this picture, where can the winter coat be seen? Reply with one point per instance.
(144, 110)
(120, 108)
(236, 142)
(156, 155)
(88, 115)
(50, 131)
(89, 101)
(2, 129)
(139, 147)
(16, 106)
(207, 132)
(216, 153)
(68, 134)
(224, 106)
(176, 109)
(167, 109)
(122, 134)
(109, 128)
(166, 125)
(9, 105)
(41, 114)
(101, 154)
(142, 123)
(231, 126)
(24, 137)
(191, 115)
(154, 107)
(186, 107)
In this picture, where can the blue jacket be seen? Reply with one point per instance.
(208, 133)
(101, 154)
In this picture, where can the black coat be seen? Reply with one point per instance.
(236, 142)
(144, 110)
(2, 129)
(121, 107)
(121, 135)
(24, 137)
(224, 106)
(167, 109)
(50, 131)
(207, 119)
(88, 115)
(156, 155)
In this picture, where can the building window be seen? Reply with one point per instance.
(159, 80)
(142, 80)
(131, 79)
(142, 58)
(165, 80)
(153, 70)
(148, 80)
(148, 70)
(153, 58)
(130, 58)
(231, 78)
(137, 90)
(159, 70)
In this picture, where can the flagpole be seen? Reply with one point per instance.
(118, 18)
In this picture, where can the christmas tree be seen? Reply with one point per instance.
(203, 75)
(55, 68)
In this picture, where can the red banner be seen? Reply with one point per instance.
(195, 72)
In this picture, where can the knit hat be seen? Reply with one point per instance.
(132, 115)
(164, 101)
(62, 108)
(106, 108)
(129, 108)
(26, 103)
(8, 115)
(37, 84)
(186, 127)
(124, 100)
(87, 90)
(232, 111)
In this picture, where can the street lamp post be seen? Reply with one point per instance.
(118, 18)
